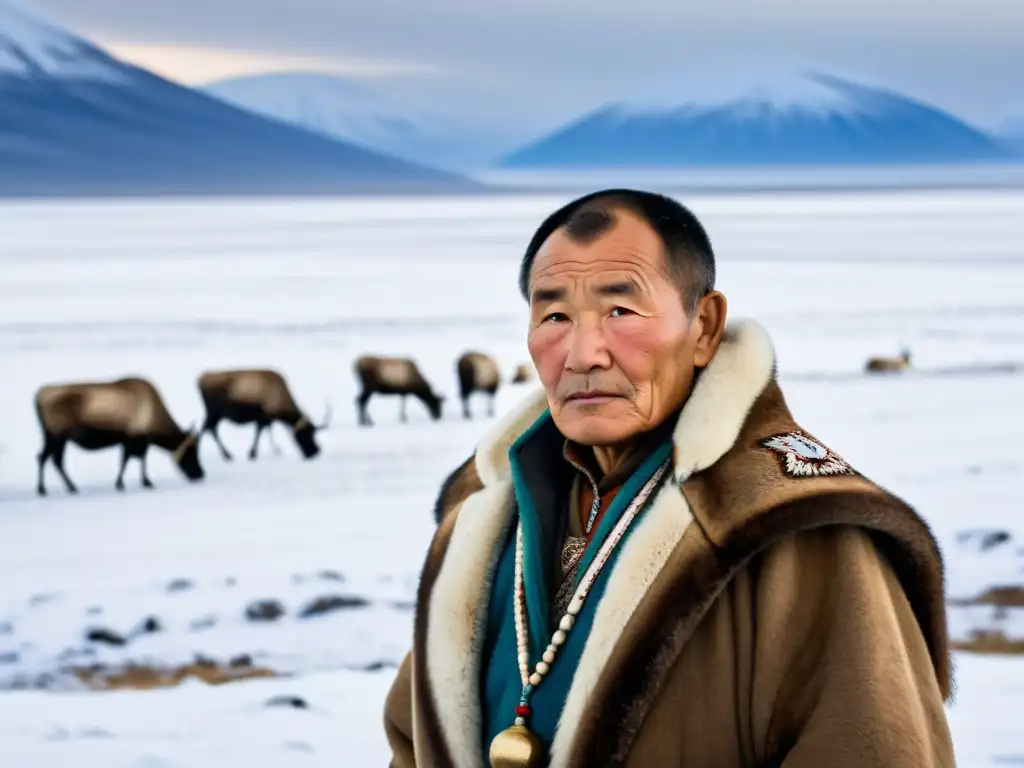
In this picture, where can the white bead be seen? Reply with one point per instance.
(542, 667)
(535, 679)
(520, 721)
(524, 658)
(574, 607)
(558, 638)
(566, 622)
(549, 655)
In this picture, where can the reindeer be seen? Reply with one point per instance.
(477, 373)
(889, 364)
(522, 374)
(128, 412)
(256, 396)
(393, 376)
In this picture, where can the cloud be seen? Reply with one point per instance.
(197, 65)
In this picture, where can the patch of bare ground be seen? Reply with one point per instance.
(144, 677)
(990, 642)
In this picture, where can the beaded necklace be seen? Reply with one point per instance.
(518, 746)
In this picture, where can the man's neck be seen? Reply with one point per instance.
(608, 457)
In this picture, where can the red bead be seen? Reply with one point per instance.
(523, 711)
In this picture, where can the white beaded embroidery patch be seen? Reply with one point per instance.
(803, 456)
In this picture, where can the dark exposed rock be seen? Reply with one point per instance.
(149, 625)
(329, 603)
(295, 702)
(264, 610)
(242, 660)
(104, 635)
(179, 585)
(204, 662)
(329, 575)
(11, 657)
(377, 666)
(94, 610)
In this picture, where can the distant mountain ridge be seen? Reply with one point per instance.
(812, 119)
(336, 107)
(75, 120)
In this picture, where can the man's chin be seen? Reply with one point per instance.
(594, 428)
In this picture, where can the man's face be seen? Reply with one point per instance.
(609, 335)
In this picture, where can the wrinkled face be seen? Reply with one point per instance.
(609, 333)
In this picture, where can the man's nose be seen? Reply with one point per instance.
(587, 348)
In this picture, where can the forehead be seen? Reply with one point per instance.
(629, 246)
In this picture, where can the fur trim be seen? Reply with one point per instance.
(492, 452)
(457, 618)
(716, 411)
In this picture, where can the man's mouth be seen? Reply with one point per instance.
(592, 397)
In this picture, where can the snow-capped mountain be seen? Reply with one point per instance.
(336, 107)
(800, 119)
(75, 120)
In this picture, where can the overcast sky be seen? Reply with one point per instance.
(547, 60)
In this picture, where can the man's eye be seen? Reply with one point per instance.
(556, 317)
(621, 312)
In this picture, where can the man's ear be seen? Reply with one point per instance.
(709, 325)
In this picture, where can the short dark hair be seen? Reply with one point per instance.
(688, 254)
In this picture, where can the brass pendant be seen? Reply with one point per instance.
(517, 747)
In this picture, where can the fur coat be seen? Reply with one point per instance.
(772, 607)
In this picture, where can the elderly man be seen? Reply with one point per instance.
(650, 563)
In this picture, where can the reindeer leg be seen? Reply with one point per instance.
(58, 462)
(211, 427)
(403, 416)
(143, 474)
(490, 406)
(364, 415)
(465, 408)
(125, 455)
(44, 455)
(256, 440)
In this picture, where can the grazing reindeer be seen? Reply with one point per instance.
(522, 374)
(887, 364)
(128, 412)
(393, 376)
(477, 373)
(258, 397)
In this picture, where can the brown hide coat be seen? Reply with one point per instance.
(756, 616)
